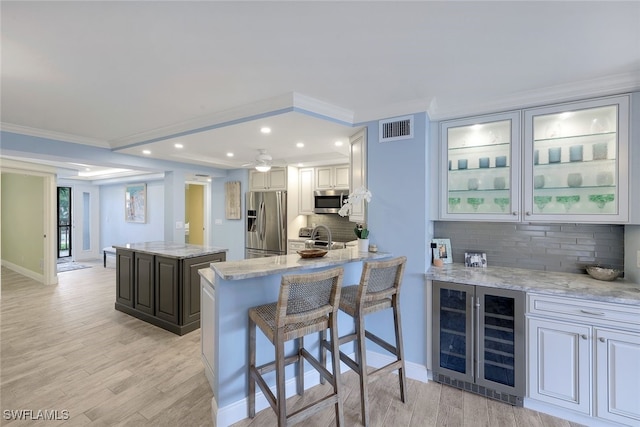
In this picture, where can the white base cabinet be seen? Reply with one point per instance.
(585, 356)
(618, 376)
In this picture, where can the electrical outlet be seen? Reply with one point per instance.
(638, 260)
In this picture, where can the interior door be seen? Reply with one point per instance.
(86, 223)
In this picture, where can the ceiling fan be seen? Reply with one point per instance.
(263, 161)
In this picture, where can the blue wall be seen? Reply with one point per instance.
(114, 230)
(397, 215)
(229, 233)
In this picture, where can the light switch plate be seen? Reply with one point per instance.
(638, 260)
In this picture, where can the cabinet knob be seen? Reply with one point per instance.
(514, 213)
(527, 213)
(601, 339)
(584, 336)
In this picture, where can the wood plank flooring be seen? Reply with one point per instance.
(65, 348)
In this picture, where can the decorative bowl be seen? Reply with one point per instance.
(603, 273)
(312, 253)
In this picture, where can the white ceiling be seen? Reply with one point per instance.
(132, 75)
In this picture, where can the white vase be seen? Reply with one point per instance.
(363, 245)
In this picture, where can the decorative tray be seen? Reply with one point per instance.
(312, 253)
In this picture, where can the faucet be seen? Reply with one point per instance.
(314, 233)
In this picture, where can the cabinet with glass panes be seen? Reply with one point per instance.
(570, 165)
(480, 178)
(576, 161)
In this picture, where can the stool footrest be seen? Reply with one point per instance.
(311, 408)
(382, 343)
(318, 366)
(271, 366)
(253, 372)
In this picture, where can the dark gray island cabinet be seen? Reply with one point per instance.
(158, 282)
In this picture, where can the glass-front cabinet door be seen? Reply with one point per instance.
(481, 173)
(576, 160)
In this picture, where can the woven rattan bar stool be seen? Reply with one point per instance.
(308, 303)
(379, 289)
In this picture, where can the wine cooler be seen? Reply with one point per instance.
(479, 340)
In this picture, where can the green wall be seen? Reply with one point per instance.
(22, 220)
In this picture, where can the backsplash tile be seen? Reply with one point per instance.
(341, 228)
(551, 247)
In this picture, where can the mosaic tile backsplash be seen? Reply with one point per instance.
(551, 247)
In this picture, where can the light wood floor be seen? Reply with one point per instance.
(65, 348)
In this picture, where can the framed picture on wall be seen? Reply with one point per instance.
(442, 250)
(135, 203)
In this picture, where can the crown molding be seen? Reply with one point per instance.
(48, 134)
(604, 86)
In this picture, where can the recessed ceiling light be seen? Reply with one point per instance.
(265, 130)
(338, 143)
(146, 151)
(178, 145)
(229, 154)
(300, 144)
(300, 165)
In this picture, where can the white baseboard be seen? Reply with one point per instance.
(237, 411)
(25, 272)
(567, 414)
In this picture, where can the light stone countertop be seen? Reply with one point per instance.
(258, 267)
(544, 282)
(171, 249)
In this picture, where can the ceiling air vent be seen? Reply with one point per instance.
(396, 129)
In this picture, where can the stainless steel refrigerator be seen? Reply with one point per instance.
(266, 227)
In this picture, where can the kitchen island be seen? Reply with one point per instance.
(158, 282)
(228, 290)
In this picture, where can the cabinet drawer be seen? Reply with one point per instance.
(618, 315)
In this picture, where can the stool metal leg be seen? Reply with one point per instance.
(300, 376)
(280, 390)
(335, 360)
(361, 360)
(252, 364)
(400, 350)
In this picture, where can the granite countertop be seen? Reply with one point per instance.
(171, 249)
(544, 282)
(258, 267)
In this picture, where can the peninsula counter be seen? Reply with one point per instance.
(158, 282)
(228, 290)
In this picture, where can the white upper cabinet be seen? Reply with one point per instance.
(570, 164)
(576, 161)
(305, 189)
(358, 169)
(275, 179)
(480, 168)
(332, 177)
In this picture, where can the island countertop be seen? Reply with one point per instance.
(258, 267)
(545, 282)
(171, 249)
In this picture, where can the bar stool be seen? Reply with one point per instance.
(307, 303)
(379, 289)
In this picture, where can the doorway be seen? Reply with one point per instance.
(194, 214)
(64, 222)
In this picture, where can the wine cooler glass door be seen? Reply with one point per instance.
(500, 339)
(453, 329)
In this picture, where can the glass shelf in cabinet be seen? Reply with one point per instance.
(484, 191)
(586, 187)
(573, 137)
(486, 146)
(594, 163)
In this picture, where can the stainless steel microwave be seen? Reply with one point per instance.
(328, 201)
